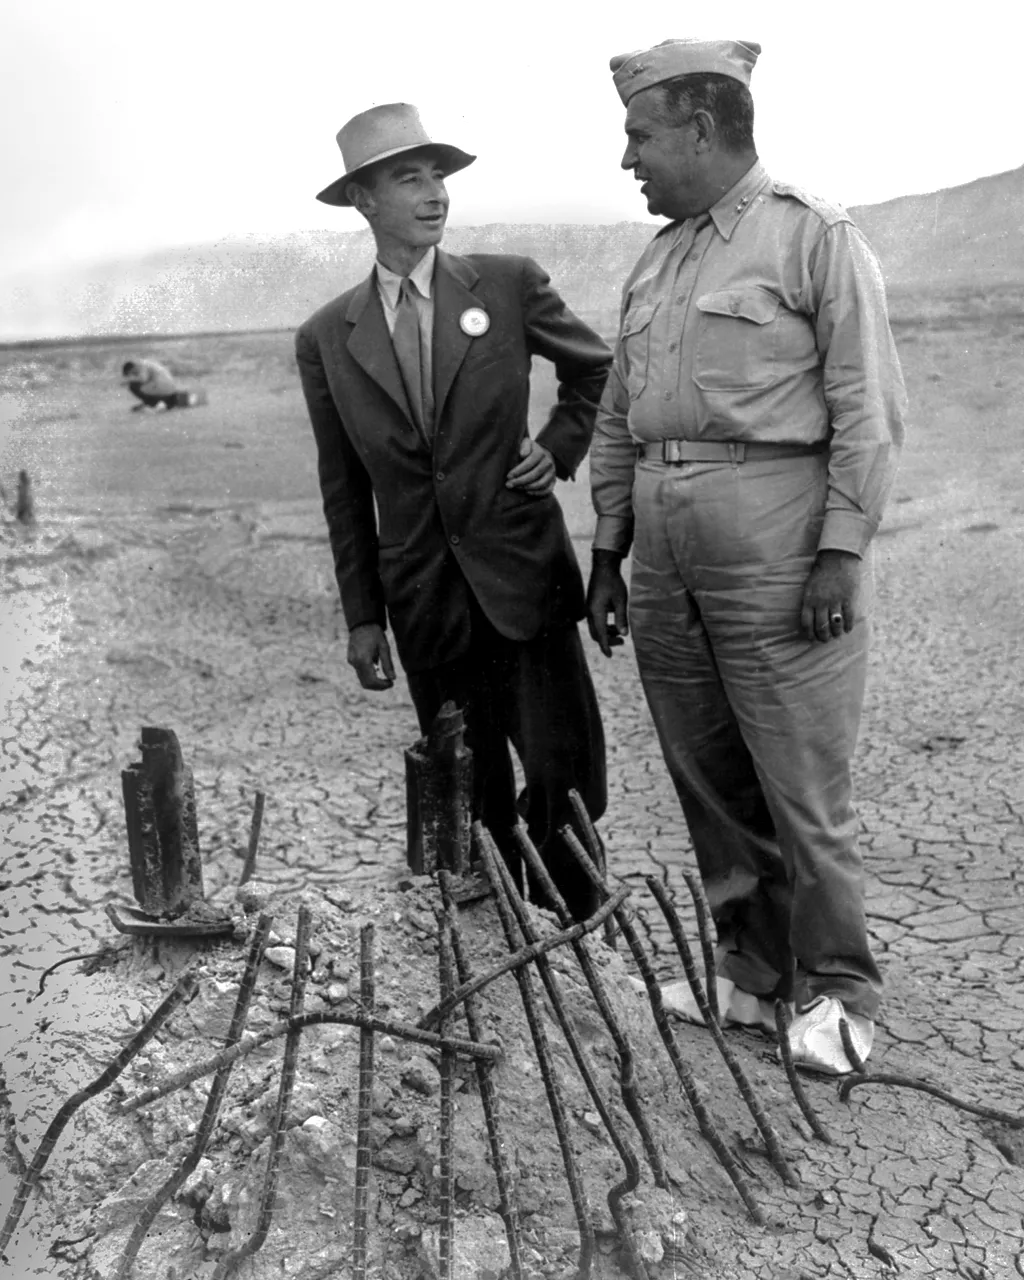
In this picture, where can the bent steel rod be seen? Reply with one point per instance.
(446, 1190)
(627, 1073)
(255, 826)
(367, 999)
(300, 973)
(703, 1116)
(923, 1086)
(492, 857)
(184, 989)
(321, 1017)
(848, 1045)
(488, 1094)
(215, 1097)
(786, 1056)
(525, 956)
(594, 845)
(771, 1139)
(703, 914)
(630, 1163)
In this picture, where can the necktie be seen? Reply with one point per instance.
(407, 339)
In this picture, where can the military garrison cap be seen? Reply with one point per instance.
(646, 67)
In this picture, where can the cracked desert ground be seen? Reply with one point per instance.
(179, 575)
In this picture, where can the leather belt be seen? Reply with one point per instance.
(724, 450)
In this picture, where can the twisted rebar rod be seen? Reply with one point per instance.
(923, 1086)
(446, 1190)
(764, 1124)
(87, 955)
(321, 1017)
(689, 1086)
(627, 1073)
(594, 845)
(254, 838)
(214, 1099)
(184, 989)
(488, 1094)
(300, 973)
(785, 1053)
(577, 1191)
(525, 956)
(631, 1165)
(703, 914)
(851, 1053)
(367, 1000)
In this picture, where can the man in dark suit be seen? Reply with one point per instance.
(439, 505)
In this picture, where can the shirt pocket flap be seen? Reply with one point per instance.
(636, 320)
(755, 305)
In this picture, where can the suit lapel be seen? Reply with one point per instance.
(370, 345)
(453, 282)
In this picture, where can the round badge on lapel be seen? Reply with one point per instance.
(474, 322)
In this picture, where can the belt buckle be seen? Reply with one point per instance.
(671, 451)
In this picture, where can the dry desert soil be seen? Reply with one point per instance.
(178, 575)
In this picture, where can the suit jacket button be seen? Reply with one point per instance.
(439, 475)
(454, 539)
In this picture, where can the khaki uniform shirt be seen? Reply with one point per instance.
(764, 320)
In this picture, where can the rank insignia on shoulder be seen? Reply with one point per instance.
(829, 213)
(475, 322)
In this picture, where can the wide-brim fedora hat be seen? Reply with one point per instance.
(379, 134)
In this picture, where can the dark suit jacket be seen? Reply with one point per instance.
(415, 529)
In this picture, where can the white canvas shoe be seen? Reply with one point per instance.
(735, 1006)
(815, 1040)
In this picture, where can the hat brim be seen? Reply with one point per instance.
(452, 160)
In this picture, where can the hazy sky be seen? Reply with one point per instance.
(127, 126)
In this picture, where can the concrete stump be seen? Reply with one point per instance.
(163, 836)
(439, 790)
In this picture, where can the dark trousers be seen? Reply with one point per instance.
(169, 399)
(538, 696)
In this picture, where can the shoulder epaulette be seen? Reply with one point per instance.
(830, 214)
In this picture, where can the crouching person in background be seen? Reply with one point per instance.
(156, 388)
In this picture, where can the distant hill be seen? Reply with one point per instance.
(945, 240)
(253, 282)
(972, 234)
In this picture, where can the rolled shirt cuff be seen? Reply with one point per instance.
(613, 533)
(846, 531)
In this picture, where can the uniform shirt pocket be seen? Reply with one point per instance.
(636, 347)
(737, 336)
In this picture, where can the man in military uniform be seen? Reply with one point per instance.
(440, 506)
(745, 447)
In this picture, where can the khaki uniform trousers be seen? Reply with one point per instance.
(757, 724)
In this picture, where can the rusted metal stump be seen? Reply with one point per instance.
(439, 789)
(163, 844)
(24, 505)
(163, 836)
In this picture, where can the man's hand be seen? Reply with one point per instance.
(607, 594)
(830, 596)
(535, 473)
(370, 654)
